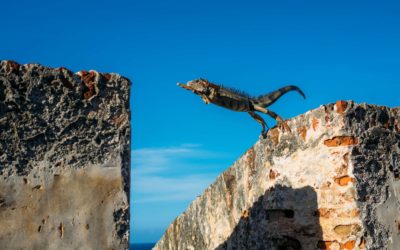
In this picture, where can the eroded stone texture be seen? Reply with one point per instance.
(376, 164)
(332, 183)
(64, 158)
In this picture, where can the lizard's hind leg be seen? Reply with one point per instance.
(261, 121)
(281, 123)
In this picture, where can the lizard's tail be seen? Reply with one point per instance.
(268, 99)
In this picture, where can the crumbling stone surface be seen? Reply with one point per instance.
(376, 163)
(64, 158)
(333, 183)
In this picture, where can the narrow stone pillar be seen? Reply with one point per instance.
(64, 158)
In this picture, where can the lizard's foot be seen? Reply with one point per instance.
(284, 127)
(205, 99)
(264, 134)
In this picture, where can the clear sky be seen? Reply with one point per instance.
(331, 49)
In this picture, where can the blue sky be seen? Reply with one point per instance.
(331, 49)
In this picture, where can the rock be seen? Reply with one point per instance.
(64, 158)
(333, 184)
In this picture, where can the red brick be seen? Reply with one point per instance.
(344, 180)
(341, 106)
(349, 245)
(274, 135)
(315, 123)
(341, 141)
(302, 132)
(273, 174)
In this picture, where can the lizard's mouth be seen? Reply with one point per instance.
(184, 86)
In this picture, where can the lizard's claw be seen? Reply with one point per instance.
(284, 127)
(205, 99)
(264, 134)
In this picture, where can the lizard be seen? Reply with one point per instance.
(240, 101)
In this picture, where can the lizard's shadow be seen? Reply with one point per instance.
(281, 219)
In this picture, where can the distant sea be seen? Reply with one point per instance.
(142, 246)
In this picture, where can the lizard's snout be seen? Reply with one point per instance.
(181, 85)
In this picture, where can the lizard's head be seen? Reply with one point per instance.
(197, 86)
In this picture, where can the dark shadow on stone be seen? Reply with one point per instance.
(282, 219)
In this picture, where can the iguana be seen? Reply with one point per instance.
(239, 101)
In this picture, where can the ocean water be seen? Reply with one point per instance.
(141, 246)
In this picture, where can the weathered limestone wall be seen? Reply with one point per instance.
(64, 158)
(333, 183)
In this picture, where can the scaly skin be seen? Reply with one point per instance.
(239, 101)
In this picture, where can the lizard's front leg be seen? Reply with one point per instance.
(261, 121)
(213, 93)
(210, 95)
(281, 123)
(205, 98)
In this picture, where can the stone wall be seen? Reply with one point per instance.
(64, 158)
(333, 183)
